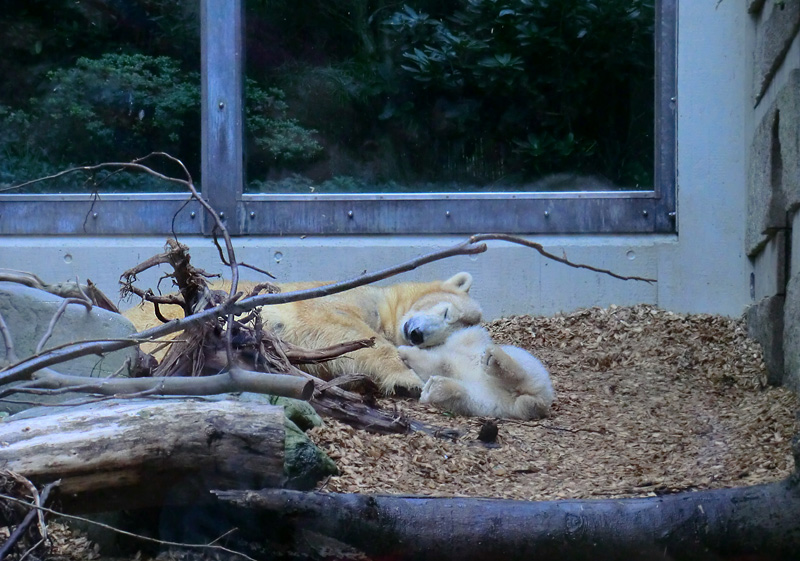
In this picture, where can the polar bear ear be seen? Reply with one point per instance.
(460, 281)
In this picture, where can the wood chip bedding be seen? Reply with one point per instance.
(647, 402)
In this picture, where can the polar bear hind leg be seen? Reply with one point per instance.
(448, 394)
(463, 397)
(530, 407)
(439, 391)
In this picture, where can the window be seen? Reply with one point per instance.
(361, 118)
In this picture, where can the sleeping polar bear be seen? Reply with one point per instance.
(470, 375)
(408, 313)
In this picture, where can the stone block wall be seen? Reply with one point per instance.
(772, 239)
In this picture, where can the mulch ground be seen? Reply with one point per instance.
(647, 402)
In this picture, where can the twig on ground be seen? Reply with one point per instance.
(35, 513)
(210, 546)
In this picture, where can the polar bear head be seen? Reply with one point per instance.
(441, 309)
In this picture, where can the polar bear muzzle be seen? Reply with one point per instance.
(413, 334)
(428, 326)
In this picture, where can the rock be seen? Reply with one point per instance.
(765, 325)
(774, 36)
(27, 313)
(788, 103)
(304, 463)
(791, 334)
(765, 208)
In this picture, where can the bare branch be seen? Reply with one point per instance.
(298, 355)
(98, 167)
(538, 247)
(36, 512)
(236, 380)
(60, 312)
(267, 287)
(149, 296)
(64, 290)
(25, 368)
(11, 355)
(257, 269)
(21, 277)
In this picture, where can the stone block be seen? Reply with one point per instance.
(769, 267)
(765, 324)
(794, 243)
(788, 106)
(774, 35)
(791, 334)
(765, 207)
(27, 313)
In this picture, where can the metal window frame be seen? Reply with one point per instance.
(222, 24)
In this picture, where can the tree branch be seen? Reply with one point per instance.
(538, 247)
(758, 522)
(24, 369)
(8, 341)
(56, 316)
(236, 380)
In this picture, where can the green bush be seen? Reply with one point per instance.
(276, 139)
(117, 107)
(535, 86)
(120, 107)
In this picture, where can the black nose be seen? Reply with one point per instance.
(415, 336)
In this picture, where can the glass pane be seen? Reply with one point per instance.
(92, 82)
(450, 95)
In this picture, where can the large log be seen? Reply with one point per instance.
(124, 454)
(753, 523)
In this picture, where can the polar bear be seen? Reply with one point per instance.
(470, 375)
(410, 313)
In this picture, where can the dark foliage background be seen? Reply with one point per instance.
(342, 95)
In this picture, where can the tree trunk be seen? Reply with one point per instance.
(752, 523)
(123, 454)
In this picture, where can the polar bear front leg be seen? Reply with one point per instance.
(424, 363)
(446, 393)
(383, 364)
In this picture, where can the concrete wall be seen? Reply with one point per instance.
(703, 269)
(773, 197)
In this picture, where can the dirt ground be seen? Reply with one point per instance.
(647, 402)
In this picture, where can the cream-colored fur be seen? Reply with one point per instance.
(399, 314)
(470, 375)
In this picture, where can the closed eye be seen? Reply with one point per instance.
(445, 313)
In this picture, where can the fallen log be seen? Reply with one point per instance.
(123, 454)
(760, 522)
